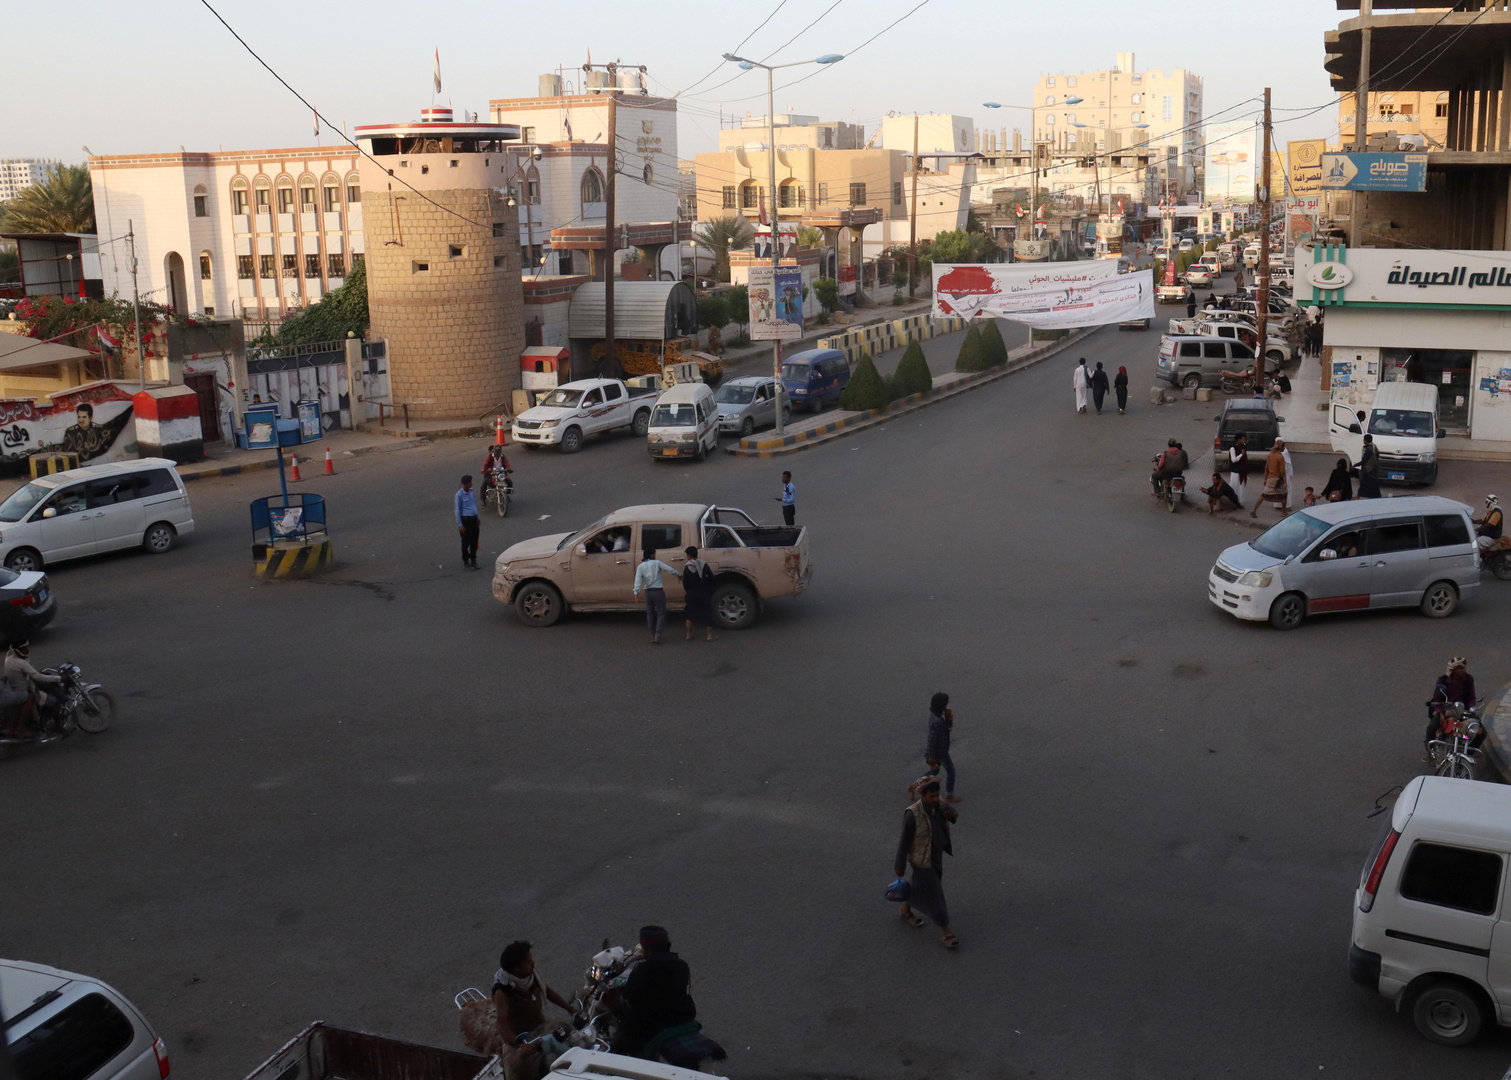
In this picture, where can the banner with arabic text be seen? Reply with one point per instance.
(1049, 296)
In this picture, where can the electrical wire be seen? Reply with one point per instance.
(720, 65)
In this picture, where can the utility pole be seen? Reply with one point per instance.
(136, 307)
(913, 220)
(610, 352)
(1262, 271)
(776, 257)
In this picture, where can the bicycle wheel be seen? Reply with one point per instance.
(96, 711)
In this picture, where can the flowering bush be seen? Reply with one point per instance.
(71, 320)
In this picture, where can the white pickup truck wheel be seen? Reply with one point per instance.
(641, 423)
(538, 603)
(571, 440)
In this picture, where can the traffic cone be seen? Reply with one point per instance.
(294, 469)
(498, 432)
(330, 466)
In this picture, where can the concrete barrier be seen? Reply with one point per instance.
(883, 337)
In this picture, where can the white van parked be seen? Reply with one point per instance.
(59, 1024)
(120, 504)
(1432, 930)
(684, 423)
(1403, 418)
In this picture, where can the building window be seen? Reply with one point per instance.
(200, 209)
(823, 195)
(527, 134)
(1049, 81)
(239, 201)
(357, 259)
(498, 228)
(897, 193)
(353, 194)
(498, 262)
(1167, 107)
(1135, 118)
(291, 266)
(1070, 80)
(307, 200)
(592, 186)
(244, 266)
(210, 312)
(312, 266)
(857, 194)
(335, 264)
(648, 174)
(1440, 110)
(421, 267)
(729, 192)
(455, 251)
(265, 267)
(285, 200)
(532, 186)
(1135, 99)
(749, 196)
(262, 200)
(332, 196)
(1051, 100)
(204, 266)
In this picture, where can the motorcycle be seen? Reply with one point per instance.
(1242, 382)
(1172, 491)
(608, 971)
(1498, 559)
(87, 707)
(480, 1030)
(1455, 756)
(499, 489)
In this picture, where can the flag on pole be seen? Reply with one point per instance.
(315, 119)
(763, 211)
(438, 71)
(108, 345)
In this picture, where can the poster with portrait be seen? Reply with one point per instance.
(93, 421)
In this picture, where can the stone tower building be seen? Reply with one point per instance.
(443, 275)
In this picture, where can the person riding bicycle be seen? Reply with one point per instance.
(1170, 463)
(1454, 687)
(496, 464)
(22, 678)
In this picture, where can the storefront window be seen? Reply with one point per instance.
(1450, 370)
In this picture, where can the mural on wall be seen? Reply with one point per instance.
(88, 421)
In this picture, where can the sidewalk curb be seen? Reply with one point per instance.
(1496, 716)
(272, 463)
(466, 430)
(762, 350)
(803, 440)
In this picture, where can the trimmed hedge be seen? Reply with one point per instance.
(972, 356)
(913, 371)
(866, 389)
(992, 343)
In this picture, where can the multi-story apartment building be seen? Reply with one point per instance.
(1405, 112)
(1122, 108)
(793, 132)
(18, 173)
(249, 233)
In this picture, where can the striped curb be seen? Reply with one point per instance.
(297, 561)
(803, 440)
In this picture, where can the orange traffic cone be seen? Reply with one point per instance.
(294, 470)
(330, 466)
(498, 432)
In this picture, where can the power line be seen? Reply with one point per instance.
(719, 66)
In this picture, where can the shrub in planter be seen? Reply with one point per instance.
(913, 371)
(992, 343)
(972, 356)
(866, 389)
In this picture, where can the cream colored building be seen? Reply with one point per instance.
(1404, 112)
(736, 182)
(793, 132)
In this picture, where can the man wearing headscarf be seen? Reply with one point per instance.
(1489, 526)
(519, 998)
(924, 844)
(1081, 382)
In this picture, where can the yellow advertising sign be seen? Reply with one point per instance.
(1306, 165)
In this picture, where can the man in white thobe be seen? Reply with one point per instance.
(1081, 381)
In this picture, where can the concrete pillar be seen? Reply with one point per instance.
(355, 385)
(1503, 118)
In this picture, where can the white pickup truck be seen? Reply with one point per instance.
(585, 407)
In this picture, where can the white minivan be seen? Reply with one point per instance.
(119, 504)
(684, 423)
(60, 1024)
(1403, 419)
(1432, 930)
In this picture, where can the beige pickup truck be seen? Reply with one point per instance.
(593, 569)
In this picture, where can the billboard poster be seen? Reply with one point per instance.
(1305, 165)
(1231, 162)
(1204, 222)
(1374, 172)
(776, 303)
(1227, 222)
(1050, 296)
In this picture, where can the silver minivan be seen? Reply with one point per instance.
(60, 1024)
(1186, 360)
(119, 504)
(1416, 551)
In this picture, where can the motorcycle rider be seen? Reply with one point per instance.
(1172, 462)
(1489, 525)
(1454, 687)
(655, 994)
(21, 677)
(496, 464)
(519, 997)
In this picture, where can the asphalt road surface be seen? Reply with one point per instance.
(339, 799)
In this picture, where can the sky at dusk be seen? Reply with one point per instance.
(160, 74)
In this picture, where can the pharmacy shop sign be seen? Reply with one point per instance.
(1399, 277)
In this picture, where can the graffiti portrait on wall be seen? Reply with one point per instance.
(89, 421)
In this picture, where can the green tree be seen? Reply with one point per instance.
(972, 356)
(913, 370)
(828, 293)
(329, 319)
(810, 237)
(953, 246)
(866, 389)
(723, 235)
(993, 345)
(63, 201)
(737, 303)
(713, 310)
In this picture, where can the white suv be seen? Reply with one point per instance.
(59, 1024)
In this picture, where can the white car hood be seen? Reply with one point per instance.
(546, 412)
(1245, 557)
(540, 547)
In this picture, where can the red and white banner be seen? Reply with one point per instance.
(1050, 296)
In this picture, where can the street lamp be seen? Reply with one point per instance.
(827, 58)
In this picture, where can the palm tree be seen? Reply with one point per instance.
(723, 235)
(810, 237)
(62, 202)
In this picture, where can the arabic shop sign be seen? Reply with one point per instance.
(1403, 278)
(1374, 172)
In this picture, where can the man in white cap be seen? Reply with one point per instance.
(1489, 525)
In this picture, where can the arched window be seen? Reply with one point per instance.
(330, 193)
(532, 186)
(205, 266)
(790, 194)
(1136, 118)
(648, 174)
(261, 194)
(750, 195)
(1136, 99)
(285, 188)
(592, 186)
(239, 195)
(353, 189)
(1050, 118)
(307, 194)
(1051, 100)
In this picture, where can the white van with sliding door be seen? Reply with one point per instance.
(119, 504)
(684, 423)
(1403, 419)
(1431, 927)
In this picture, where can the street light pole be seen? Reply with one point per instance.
(776, 258)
